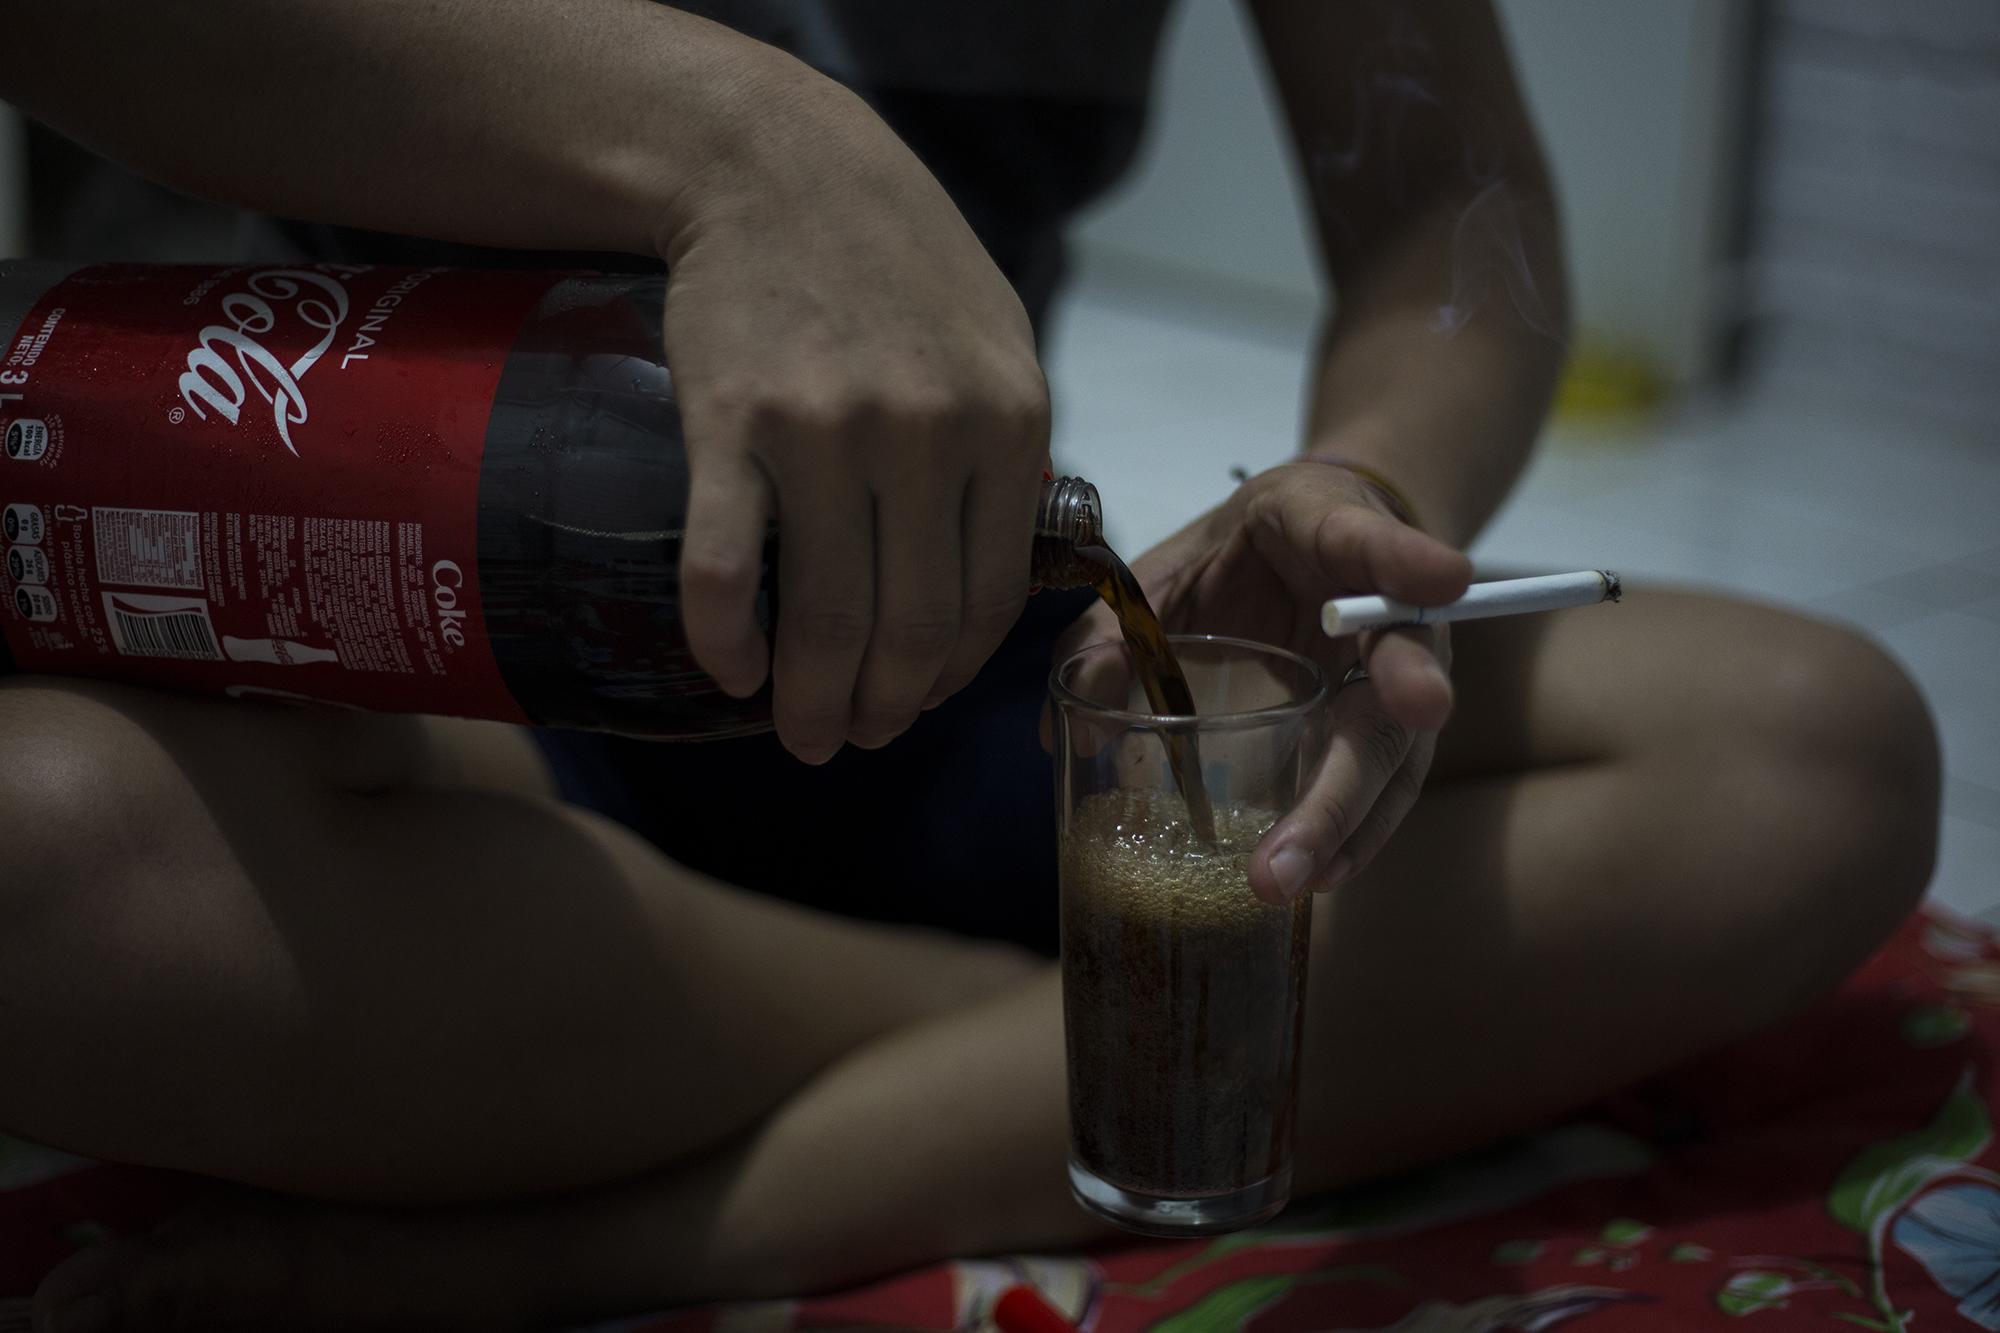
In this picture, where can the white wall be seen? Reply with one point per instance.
(1215, 188)
(1639, 107)
(1879, 203)
(1633, 101)
(13, 185)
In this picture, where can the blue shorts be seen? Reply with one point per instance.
(952, 826)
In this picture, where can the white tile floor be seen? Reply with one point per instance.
(1795, 492)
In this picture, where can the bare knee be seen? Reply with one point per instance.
(103, 783)
(129, 952)
(1838, 751)
(79, 792)
(1844, 709)
(74, 811)
(98, 824)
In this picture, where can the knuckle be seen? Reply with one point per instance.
(994, 607)
(831, 628)
(1381, 740)
(811, 720)
(872, 730)
(1032, 406)
(1383, 819)
(927, 406)
(1021, 400)
(742, 399)
(948, 683)
(719, 399)
(1338, 817)
(825, 414)
(714, 569)
(1333, 530)
(922, 634)
(1406, 784)
(897, 405)
(780, 410)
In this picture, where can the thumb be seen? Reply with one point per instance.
(1319, 525)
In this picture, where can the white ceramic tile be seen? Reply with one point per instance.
(1256, 415)
(1531, 536)
(1932, 490)
(1768, 525)
(1970, 735)
(1968, 870)
(1264, 386)
(1118, 325)
(1972, 802)
(1736, 537)
(1113, 334)
(1117, 420)
(1955, 658)
(1948, 585)
(1572, 465)
(1869, 609)
(1986, 610)
(1157, 406)
(1968, 874)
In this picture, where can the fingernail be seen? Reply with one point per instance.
(1291, 867)
(95, 1313)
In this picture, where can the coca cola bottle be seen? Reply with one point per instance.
(403, 490)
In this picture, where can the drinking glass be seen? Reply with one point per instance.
(1183, 994)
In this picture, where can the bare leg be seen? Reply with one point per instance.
(318, 975)
(1653, 829)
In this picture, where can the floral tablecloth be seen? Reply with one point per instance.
(1838, 1171)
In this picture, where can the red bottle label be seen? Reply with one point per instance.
(257, 481)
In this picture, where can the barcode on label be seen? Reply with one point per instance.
(162, 627)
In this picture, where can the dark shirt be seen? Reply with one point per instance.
(1025, 111)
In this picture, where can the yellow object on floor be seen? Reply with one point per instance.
(1602, 381)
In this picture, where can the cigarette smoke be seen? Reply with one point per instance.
(1488, 255)
(1395, 78)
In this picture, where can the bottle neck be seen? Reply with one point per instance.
(1070, 516)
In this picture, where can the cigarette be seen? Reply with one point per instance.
(1507, 597)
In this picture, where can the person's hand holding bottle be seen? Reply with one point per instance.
(849, 361)
(852, 365)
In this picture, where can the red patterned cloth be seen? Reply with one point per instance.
(1839, 1171)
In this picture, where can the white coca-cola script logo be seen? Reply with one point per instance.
(446, 579)
(213, 383)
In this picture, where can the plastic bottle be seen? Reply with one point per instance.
(404, 490)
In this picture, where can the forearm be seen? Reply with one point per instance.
(1438, 366)
(1437, 223)
(583, 125)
